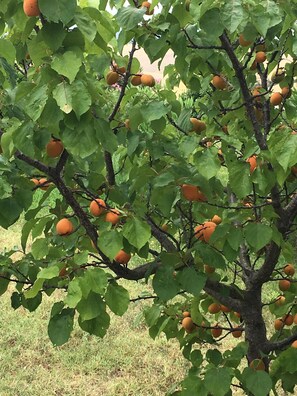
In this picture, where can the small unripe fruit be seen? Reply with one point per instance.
(236, 333)
(147, 4)
(280, 300)
(64, 227)
(286, 92)
(97, 207)
(164, 227)
(186, 314)
(208, 269)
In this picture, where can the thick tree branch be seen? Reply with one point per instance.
(276, 346)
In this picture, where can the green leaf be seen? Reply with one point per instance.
(117, 298)
(7, 51)
(258, 235)
(86, 25)
(211, 23)
(74, 293)
(58, 10)
(94, 279)
(32, 292)
(191, 281)
(90, 307)
(164, 283)
(232, 14)
(9, 212)
(60, 327)
(49, 273)
(67, 64)
(3, 285)
(217, 381)
(266, 15)
(154, 111)
(97, 326)
(129, 17)
(258, 383)
(137, 232)
(208, 164)
(239, 176)
(40, 248)
(110, 242)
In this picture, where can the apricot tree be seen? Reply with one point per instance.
(103, 164)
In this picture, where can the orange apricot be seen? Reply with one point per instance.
(112, 77)
(243, 42)
(188, 324)
(54, 148)
(136, 80)
(219, 82)
(31, 8)
(286, 92)
(260, 57)
(236, 333)
(253, 163)
(216, 219)
(113, 216)
(284, 285)
(226, 309)
(294, 344)
(217, 331)
(280, 300)
(276, 98)
(64, 227)
(122, 257)
(214, 308)
(147, 4)
(186, 314)
(278, 324)
(97, 207)
(192, 193)
(43, 183)
(208, 269)
(288, 319)
(147, 80)
(289, 270)
(209, 228)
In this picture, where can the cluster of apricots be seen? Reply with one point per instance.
(204, 231)
(285, 284)
(146, 80)
(216, 330)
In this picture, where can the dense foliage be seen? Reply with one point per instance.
(200, 189)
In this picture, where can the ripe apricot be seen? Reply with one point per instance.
(192, 193)
(122, 257)
(217, 331)
(257, 364)
(43, 183)
(188, 324)
(136, 80)
(216, 219)
(208, 269)
(294, 344)
(278, 324)
(243, 42)
(286, 92)
(31, 8)
(113, 216)
(218, 82)
(209, 228)
(64, 227)
(97, 207)
(121, 69)
(226, 309)
(197, 125)
(288, 319)
(147, 80)
(54, 148)
(253, 163)
(112, 77)
(236, 333)
(35, 181)
(260, 57)
(214, 308)
(255, 93)
(289, 270)
(276, 98)
(147, 4)
(186, 314)
(284, 284)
